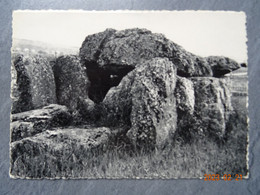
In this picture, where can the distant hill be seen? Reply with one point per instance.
(24, 45)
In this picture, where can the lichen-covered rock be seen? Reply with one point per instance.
(212, 105)
(222, 65)
(31, 122)
(184, 93)
(131, 46)
(102, 79)
(118, 103)
(111, 54)
(85, 112)
(92, 45)
(185, 103)
(145, 101)
(118, 53)
(71, 81)
(54, 153)
(20, 129)
(15, 94)
(34, 81)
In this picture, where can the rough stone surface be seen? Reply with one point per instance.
(31, 122)
(184, 93)
(92, 45)
(145, 101)
(212, 105)
(34, 81)
(15, 94)
(111, 54)
(222, 65)
(101, 80)
(118, 52)
(54, 152)
(131, 46)
(71, 81)
(86, 111)
(185, 103)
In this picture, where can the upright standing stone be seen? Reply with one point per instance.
(35, 83)
(212, 105)
(145, 101)
(71, 81)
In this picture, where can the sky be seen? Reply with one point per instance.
(203, 33)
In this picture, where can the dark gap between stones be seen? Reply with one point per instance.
(103, 78)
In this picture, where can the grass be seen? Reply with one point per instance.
(191, 160)
(183, 161)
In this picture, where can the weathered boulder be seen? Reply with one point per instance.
(118, 53)
(111, 54)
(71, 81)
(131, 46)
(101, 80)
(222, 65)
(34, 81)
(185, 103)
(56, 152)
(184, 93)
(145, 101)
(212, 105)
(92, 45)
(85, 112)
(31, 122)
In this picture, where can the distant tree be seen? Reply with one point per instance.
(243, 65)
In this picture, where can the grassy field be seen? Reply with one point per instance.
(181, 161)
(190, 160)
(193, 160)
(186, 161)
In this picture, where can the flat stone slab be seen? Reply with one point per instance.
(51, 153)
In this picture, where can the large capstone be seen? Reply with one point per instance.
(111, 54)
(145, 101)
(101, 80)
(33, 83)
(92, 45)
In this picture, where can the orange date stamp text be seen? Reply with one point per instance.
(225, 177)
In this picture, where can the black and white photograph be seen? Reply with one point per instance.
(129, 94)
